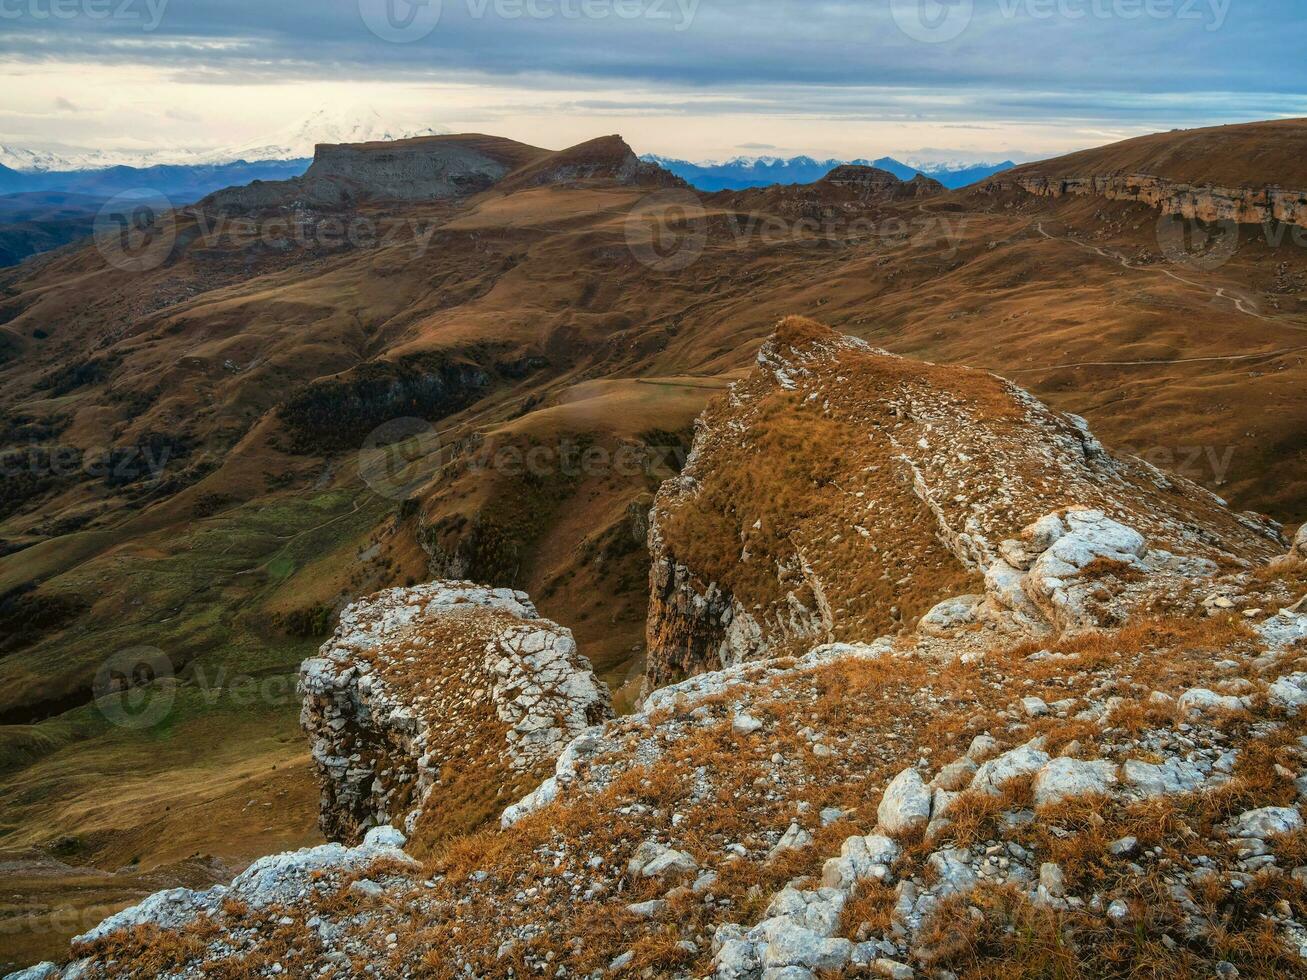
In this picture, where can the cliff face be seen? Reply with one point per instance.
(439, 168)
(1245, 205)
(439, 696)
(841, 493)
(410, 170)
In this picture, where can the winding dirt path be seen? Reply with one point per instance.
(1242, 305)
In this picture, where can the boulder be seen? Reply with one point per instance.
(1199, 701)
(905, 807)
(1065, 779)
(1289, 693)
(861, 859)
(1173, 776)
(1025, 760)
(953, 868)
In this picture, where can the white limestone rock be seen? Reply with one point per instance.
(1066, 779)
(1024, 760)
(1267, 822)
(1198, 701)
(1173, 776)
(905, 807)
(1289, 693)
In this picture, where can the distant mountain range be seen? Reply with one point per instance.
(179, 183)
(185, 175)
(745, 172)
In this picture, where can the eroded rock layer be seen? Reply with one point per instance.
(1203, 202)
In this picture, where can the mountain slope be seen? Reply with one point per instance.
(841, 491)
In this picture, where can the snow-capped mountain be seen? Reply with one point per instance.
(295, 142)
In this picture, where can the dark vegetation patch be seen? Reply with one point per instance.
(21, 428)
(78, 374)
(26, 616)
(309, 622)
(337, 414)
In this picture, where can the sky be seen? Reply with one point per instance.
(697, 79)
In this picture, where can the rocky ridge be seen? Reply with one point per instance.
(840, 489)
(437, 168)
(876, 181)
(981, 794)
(445, 689)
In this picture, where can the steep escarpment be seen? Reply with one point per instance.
(1202, 202)
(423, 169)
(841, 492)
(1250, 174)
(432, 702)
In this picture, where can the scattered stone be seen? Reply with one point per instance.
(1123, 847)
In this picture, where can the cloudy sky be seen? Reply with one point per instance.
(929, 79)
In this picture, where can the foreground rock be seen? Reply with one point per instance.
(449, 689)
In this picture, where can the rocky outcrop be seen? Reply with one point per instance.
(421, 688)
(1204, 202)
(607, 158)
(435, 168)
(422, 169)
(881, 183)
(841, 493)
